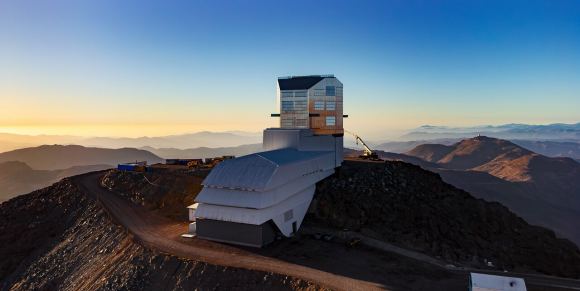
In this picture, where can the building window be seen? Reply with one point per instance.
(300, 105)
(330, 105)
(301, 122)
(319, 92)
(300, 94)
(287, 94)
(330, 121)
(287, 105)
(318, 105)
(330, 91)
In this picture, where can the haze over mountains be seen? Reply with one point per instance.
(25, 170)
(55, 157)
(553, 140)
(204, 152)
(18, 178)
(556, 131)
(544, 191)
(184, 141)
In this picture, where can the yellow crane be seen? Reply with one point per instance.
(368, 154)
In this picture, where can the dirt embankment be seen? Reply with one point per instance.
(58, 238)
(167, 194)
(413, 208)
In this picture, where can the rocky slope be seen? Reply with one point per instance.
(406, 205)
(168, 194)
(59, 238)
(545, 191)
(399, 203)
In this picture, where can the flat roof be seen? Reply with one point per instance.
(500, 283)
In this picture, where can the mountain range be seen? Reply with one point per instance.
(56, 157)
(548, 148)
(543, 190)
(28, 169)
(556, 131)
(18, 178)
(183, 141)
(204, 152)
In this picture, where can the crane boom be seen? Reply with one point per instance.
(367, 152)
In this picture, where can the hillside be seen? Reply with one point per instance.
(414, 208)
(59, 238)
(398, 203)
(55, 157)
(552, 148)
(544, 191)
(18, 178)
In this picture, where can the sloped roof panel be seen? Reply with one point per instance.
(298, 83)
(249, 173)
(255, 172)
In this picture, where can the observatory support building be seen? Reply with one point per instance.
(251, 199)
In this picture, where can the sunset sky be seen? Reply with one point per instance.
(134, 68)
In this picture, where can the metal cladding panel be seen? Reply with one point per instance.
(249, 172)
(259, 200)
(267, 170)
(235, 233)
(253, 216)
(277, 138)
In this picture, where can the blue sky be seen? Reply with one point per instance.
(163, 67)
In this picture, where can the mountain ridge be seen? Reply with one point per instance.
(544, 191)
(55, 157)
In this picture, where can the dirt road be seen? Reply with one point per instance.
(162, 234)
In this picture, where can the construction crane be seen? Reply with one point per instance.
(368, 154)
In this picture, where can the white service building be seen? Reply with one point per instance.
(485, 282)
(251, 199)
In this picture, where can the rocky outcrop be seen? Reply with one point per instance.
(59, 238)
(167, 193)
(413, 208)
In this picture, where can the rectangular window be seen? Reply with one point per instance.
(300, 94)
(287, 94)
(318, 105)
(330, 121)
(330, 91)
(286, 123)
(301, 122)
(300, 105)
(287, 105)
(330, 105)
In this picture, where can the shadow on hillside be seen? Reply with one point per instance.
(391, 271)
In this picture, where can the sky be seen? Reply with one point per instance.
(137, 68)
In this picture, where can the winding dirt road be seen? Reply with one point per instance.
(162, 234)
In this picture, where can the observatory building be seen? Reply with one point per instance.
(252, 199)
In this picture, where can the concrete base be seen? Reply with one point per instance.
(236, 233)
